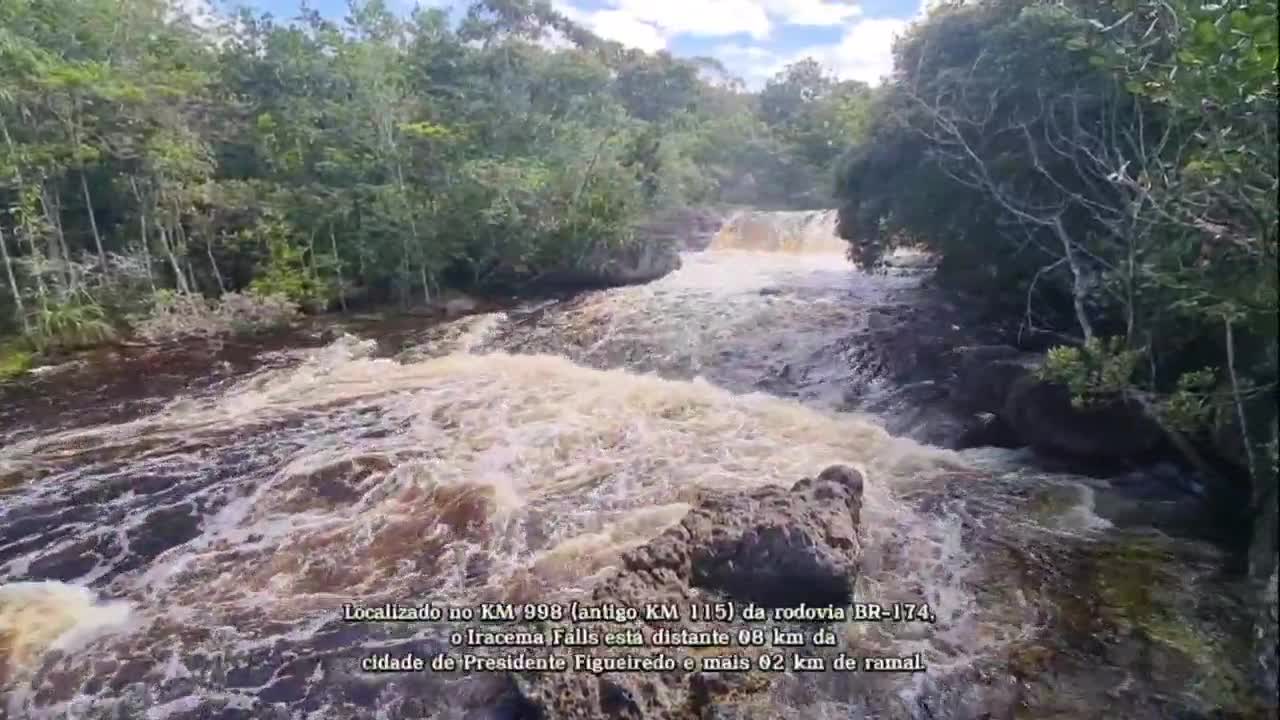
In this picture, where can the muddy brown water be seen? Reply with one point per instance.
(178, 529)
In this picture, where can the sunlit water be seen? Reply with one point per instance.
(190, 563)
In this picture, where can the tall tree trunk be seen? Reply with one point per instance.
(182, 247)
(13, 285)
(179, 277)
(314, 269)
(413, 223)
(36, 260)
(1078, 291)
(337, 268)
(146, 238)
(146, 249)
(37, 263)
(57, 241)
(217, 274)
(93, 223)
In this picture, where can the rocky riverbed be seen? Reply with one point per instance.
(188, 529)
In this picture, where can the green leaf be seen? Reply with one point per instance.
(1206, 32)
(1262, 23)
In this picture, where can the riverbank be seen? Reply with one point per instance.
(527, 455)
(126, 378)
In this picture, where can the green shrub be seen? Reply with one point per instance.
(69, 323)
(15, 359)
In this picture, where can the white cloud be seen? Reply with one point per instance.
(812, 12)
(708, 18)
(641, 22)
(621, 27)
(865, 52)
(754, 64)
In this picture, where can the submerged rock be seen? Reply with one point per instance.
(772, 546)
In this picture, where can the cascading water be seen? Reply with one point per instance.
(190, 563)
(802, 231)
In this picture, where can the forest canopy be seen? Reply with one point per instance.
(1105, 173)
(150, 165)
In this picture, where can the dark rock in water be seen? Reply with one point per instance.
(74, 560)
(987, 430)
(687, 228)
(638, 262)
(999, 380)
(772, 546)
(985, 374)
(780, 548)
(1043, 416)
(163, 529)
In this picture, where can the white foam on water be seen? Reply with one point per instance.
(43, 616)
(540, 470)
(466, 472)
(800, 232)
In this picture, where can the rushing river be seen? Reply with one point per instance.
(181, 551)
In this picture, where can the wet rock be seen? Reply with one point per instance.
(690, 229)
(986, 373)
(986, 430)
(773, 546)
(998, 380)
(163, 529)
(780, 548)
(642, 260)
(1042, 415)
(74, 560)
(639, 263)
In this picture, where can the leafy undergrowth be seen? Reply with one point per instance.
(14, 360)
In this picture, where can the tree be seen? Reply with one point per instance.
(1113, 167)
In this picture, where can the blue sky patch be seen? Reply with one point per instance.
(753, 38)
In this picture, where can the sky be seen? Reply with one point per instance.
(753, 38)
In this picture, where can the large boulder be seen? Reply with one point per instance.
(986, 373)
(1000, 380)
(773, 546)
(1042, 415)
(689, 229)
(643, 260)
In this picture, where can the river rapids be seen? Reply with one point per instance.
(184, 554)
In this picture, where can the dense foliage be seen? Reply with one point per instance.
(150, 165)
(1108, 173)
